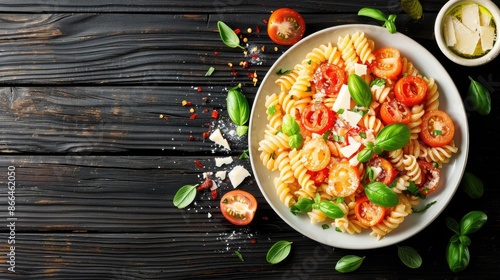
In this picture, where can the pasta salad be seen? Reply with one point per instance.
(356, 136)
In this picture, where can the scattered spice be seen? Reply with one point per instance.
(237, 31)
(249, 30)
(186, 103)
(193, 116)
(191, 110)
(215, 114)
(200, 89)
(208, 183)
(206, 134)
(265, 21)
(199, 164)
(257, 29)
(191, 138)
(214, 194)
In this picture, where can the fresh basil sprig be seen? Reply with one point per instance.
(278, 251)
(329, 208)
(184, 196)
(228, 36)
(389, 21)
(349, 263)
(290, 127)
(409, 256)
(390, 138)
(238, 109)
(472, 185)
(359, 90)
(380, 194)
(479, 97)
(457, 251)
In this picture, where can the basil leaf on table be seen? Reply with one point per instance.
(359, 90)
(228, 36)
(238, 109)
(349, 263)
(457, 256)
(389, 21)
(409, 256)
(184, 196)
(380, 194)
(472, 185)
(472, 222)
(278, 252)
(479, 97)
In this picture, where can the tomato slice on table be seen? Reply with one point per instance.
(238, 207)
(368, 213)
(430, 177)
(393, 111)
(285, 26)
(329, 78)
(317, 118)
(437, 128)
(343, 179)
(387, 63)
(387, 173)
(410, 90)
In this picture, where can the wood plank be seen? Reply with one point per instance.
(142, 49)
(219, 7)
(114, 119)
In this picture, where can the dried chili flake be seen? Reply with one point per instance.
(257, 29)
(251, 75)
(215, 114)
(191, 138)
(255, 56)
(199, 164)
(205, 111)
(265, 21)
(244, 64)
(214, 194)
(186, 103)
(207, 184)
(206, 134)
(216, 53)
(193, 116)
(253, 240)
(237, 31)
(200, 89)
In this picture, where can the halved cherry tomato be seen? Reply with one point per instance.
(317, 118)
(387, 63)
(285, 26)
(393, 111)
(319, 176)
(387, 174)
(437, 128)
(410, 90)
(343, 179)
(238, 207)
(368, 213)
(315, 154)
(329, 78)
(430, 177)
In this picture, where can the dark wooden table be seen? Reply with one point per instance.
(83, 86)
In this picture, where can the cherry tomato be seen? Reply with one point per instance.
(317, 118)
(368, 213)
(393, 111)
(430, 177)
(319, 176)
(387, 63)
(329, 78)
(315, 154)
(410, 90)
(343, 179)
(387, 174)
(437, 128)
(286, 26)
(238, 207)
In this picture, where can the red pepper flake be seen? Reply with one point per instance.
(200, 89)
(191, 138)
(255, 56)
(253, 240)
(245, 64)
(234, 72)
(214, 194)
(265, 21)
(257, 29)
(206, 134)
(251, 75)
(215, 114)
(199, 164)
(205, 111)
(193, 116)
(186, 103)
(216, 53)
(207, 184)
(237, 31)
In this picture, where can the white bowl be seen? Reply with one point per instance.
(449, 101)
(439, 34)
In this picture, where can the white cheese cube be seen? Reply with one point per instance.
(237, 175)
(343, 100)
(466, 39)
(216, 137)
(221, 161)
(470, 16)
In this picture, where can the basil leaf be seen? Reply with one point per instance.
(359, 90)
(295, 141)
(228, 36)
(331, 210)
(453, 225)
(479, 97)
(392, 137)
(210, 71)
(413, 8)
(464, 239)
(472, 222)
(379, 82)
(390, 24)
(283, 72)
(409, 256)
(365, 154)
(372, 13)
(380, 194)
(238, 109)
(278, 252)
(349, 263)
(472, 185)
(457, 256)
(304, 205)
(289, 126)
(239, 255)
(184, 196)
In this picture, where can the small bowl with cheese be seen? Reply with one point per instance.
(467, 32)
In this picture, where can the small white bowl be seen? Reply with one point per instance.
(439, 34)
